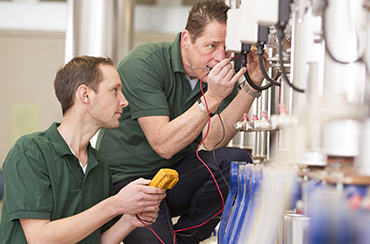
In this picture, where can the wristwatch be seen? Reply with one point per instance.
(203, 108)
(250, 92)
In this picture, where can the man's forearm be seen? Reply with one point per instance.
(230, 115)
(68, 230)
(118, 231)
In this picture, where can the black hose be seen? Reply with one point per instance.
(260, 53)
(243, 61)
(285, 77)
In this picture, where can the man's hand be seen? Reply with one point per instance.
(221, 80)
(138, 197)
(254, 70)
(148, 218)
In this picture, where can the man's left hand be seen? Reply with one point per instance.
(254, 70)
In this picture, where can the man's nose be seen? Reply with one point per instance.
(220, 54)
(123, 101)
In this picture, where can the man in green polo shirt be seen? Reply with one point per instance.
(167, 114)
(57, 187)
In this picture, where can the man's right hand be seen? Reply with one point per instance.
(138, 197)
(221, 80)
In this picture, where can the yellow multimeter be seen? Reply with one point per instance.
(165, 178)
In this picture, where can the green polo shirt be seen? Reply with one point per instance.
(44, 180)
(155, 84)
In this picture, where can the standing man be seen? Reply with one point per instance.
(57, 187)
(167, 117)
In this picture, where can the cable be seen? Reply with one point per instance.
(260, 53)
(277, 75)
(142, 221)
(213, 150)
(243, 61)
(251, 83)
(223, 137)
(185, 235)
(280, 35)
(197, 153)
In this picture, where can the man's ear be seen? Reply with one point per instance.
(185, 39)
(83, 94)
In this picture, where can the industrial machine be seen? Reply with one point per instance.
(309, 131)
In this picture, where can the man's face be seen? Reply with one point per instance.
(108, 101)
(207, 51)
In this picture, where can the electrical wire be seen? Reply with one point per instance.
(213, 150)
(286, 79)
(251, 83)
(222, 138)
(178, 234)
(260, 53)
(277, 75)
(142, 221)
(197, 153)
(243, 62)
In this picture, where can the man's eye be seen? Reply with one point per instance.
(211, 46)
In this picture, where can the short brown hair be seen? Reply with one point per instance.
(81, 70)
(204, 12)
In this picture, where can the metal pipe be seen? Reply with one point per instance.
(99, 28)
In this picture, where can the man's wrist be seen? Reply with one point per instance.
(203, 108)
(249, 90)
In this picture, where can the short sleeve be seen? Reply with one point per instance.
(27, 186)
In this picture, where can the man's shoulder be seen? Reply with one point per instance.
(27, 140)
(147, 57)
(146, 50)
(36, 143)
(30, 146)
(155, 48)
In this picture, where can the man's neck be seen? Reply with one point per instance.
(77, 136)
